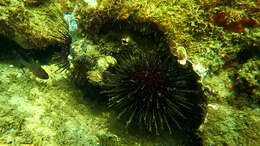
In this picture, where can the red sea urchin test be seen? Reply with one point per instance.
(155, 91)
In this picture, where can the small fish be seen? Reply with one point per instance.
(10, 47)
(35, 68)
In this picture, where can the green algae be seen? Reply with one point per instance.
(44, 119)
(212, 49)
(31, 23)
(55, 112)
(248, 80)
(228, 126)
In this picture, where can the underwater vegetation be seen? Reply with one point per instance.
(30, 23)
(212, 32)
(162, 68)
(130, 60)
(222, 19)
(247, 80)
(34, 28)
(154, 90)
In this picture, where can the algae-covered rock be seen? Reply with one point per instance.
(33, 24)
(214, 49)
(199, 33)
(168, 18)
(112, 29)
(117, 26)
(248, 79)
(225, 125)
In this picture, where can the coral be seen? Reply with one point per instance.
(156, 91)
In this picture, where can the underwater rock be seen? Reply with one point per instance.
(33, 24)
(225, 125)
(100, 17)
(88, 62)
(248, 79)
(109, 29)
(112, 29)
(117, 26)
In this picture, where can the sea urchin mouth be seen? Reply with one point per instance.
(156, 91)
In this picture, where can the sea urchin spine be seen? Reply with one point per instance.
(156, 91)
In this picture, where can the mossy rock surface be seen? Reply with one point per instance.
(57, 112)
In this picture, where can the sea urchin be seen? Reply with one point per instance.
(152, 89)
